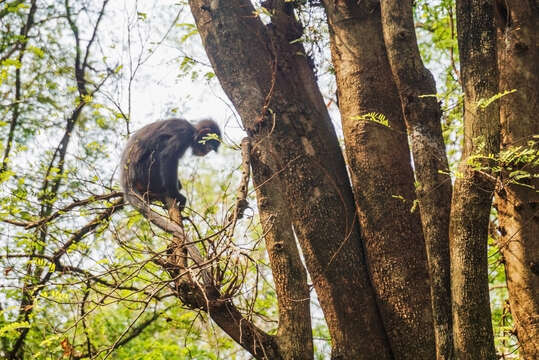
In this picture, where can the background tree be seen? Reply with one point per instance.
(402, 264)
(516, 197)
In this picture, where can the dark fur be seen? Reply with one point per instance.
(149, 167)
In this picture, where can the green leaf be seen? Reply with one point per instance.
(14, 326)
(483, 103)
(378, 118)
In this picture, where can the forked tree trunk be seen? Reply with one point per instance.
(474, 184)
(518, 205)
(270, 82)
(301, 175)
(380, 167)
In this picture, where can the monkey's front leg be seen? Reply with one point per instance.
(175, 202)
(174, 198)
(180, 199)
(168, 168)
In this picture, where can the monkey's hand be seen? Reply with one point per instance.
(175, 200)
(180, 201)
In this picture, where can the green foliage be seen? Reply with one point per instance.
(483, 103)
(211, 136)
(12, 327)
(83, 278)
(322, 341)
(192, 31)
(437, 40)
(374, 117)
(93, 280)
(515, 164)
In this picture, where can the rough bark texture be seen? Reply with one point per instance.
(276, 94)
(382, 177)
(518, 54)
(294, 335)
(422, 114)
(472, 196)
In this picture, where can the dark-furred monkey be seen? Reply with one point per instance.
(149, 165)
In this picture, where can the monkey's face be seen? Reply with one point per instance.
(207, 137)
(201, 148)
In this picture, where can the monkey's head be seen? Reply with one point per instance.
(204, 140)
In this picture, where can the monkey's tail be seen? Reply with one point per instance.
(157, 219)
(168, 226)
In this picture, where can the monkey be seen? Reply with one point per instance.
(149, 164)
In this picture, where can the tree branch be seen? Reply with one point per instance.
(205, 295)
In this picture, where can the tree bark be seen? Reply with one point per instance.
(422, 113)
(474, 184)
(277, 97)
(518, 51)
(294, 335)
(380, 166)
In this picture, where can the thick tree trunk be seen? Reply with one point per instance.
(380, 165)
(276, 94)
(518, 54)
(474, 186)
(422, 114)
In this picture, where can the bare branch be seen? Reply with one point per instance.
(62, 211)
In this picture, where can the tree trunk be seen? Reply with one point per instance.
(294, 335)
(518, 54)
(474, 184)
(380, 166)
(277, 97)
(422, 113)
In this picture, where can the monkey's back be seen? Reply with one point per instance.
(146, 148)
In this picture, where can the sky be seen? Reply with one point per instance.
(162, 89)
